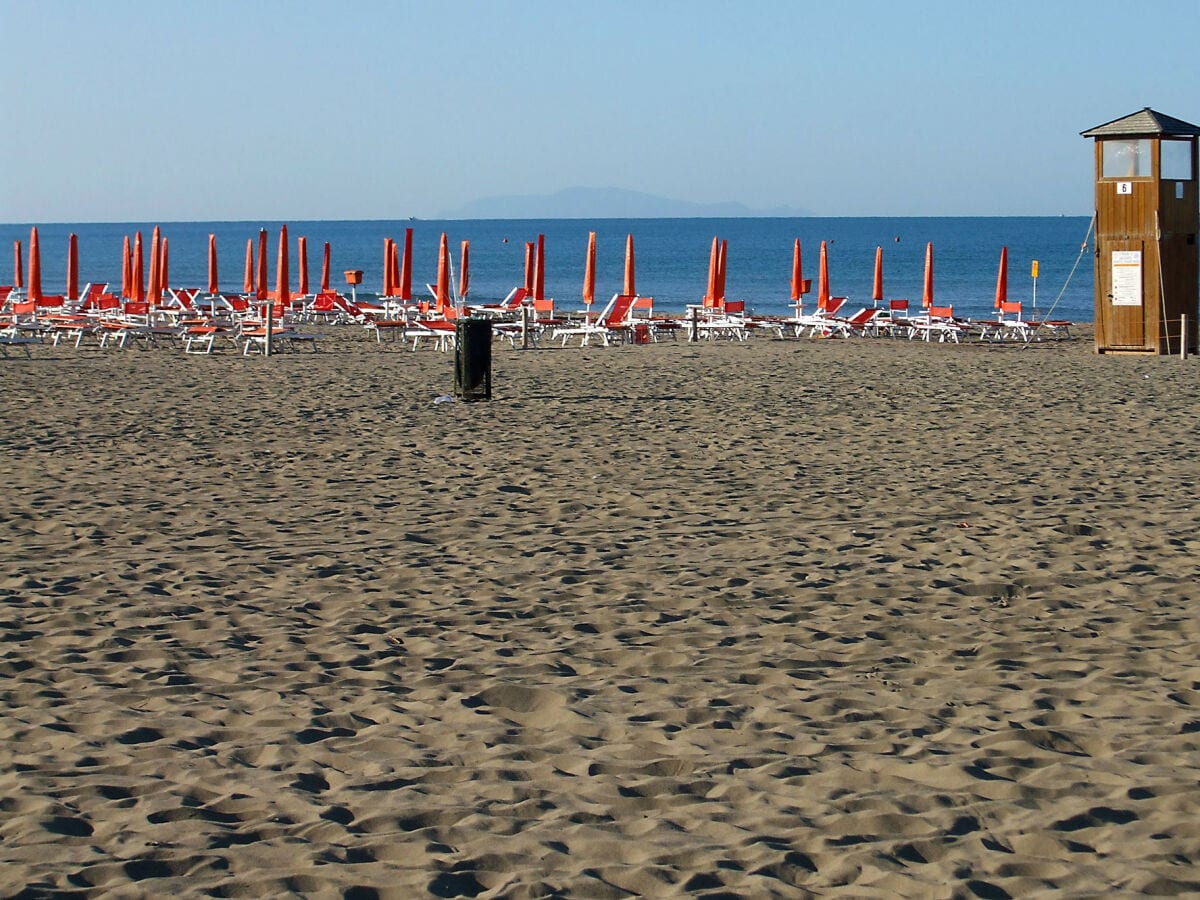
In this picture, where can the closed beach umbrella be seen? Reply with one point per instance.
(388, 287)
(406, 267)
(442, 290)
(282, 294)
(72, 267)
(714, 262)
(394, 263)
(248, 279)
(589, 272)
(797, 273)
(877, 286)
(164, 277)
(823, 278)
(1002, 279)
(137, 287)
(35, 266)
(927, 292)
(261, 293)
(325, 270)
(18, 265)
(529, 268)
(630, 283)
(539, 269)
(154, 287)
(127, 270)
(302, 266)
(722, 256)
(464, 279)
(213, 280)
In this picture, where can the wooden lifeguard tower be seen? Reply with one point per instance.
(1147, 273)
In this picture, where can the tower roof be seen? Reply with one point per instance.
(1143, 123)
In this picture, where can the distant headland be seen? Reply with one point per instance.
(607, 203)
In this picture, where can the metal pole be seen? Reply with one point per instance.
(1183, 335)
(270, 323)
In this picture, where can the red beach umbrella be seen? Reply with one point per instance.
(388, 288)
(127, 271)
(18, 274)
(529, 268)
(464, 279)
(630, 284)
(797, 273)
(154, 288)
(248, 286)
(395, 268)
(719, 300)
(261, 294)
(283, 296)
(302, 266)
(1002, 279)
(35, 266)
(164, 279)
(927, 293)
(823, 279)
(325, 270)
(406, 267)
(442, 290)
(72, 267)
(589, 271)
(213, 281)
(138, 286)
(539, 269)
(714, 262)
(877, 287)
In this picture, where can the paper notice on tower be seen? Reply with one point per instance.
(1127, 278)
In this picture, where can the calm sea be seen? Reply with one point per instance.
(671, 256)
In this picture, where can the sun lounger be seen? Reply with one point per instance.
(613, 324)
(439, 332)
(939, 323)
(12, 337)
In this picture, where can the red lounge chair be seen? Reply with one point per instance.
(939, 322)
(613, 323)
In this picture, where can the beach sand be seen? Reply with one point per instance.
(850, 618)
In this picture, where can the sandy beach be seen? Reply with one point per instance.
(859, 618)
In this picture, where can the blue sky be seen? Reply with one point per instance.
(130, 110)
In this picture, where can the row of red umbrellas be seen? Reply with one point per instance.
(398, 278)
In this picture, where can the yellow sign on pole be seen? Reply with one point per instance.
(1033, 274)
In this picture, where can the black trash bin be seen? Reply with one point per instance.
(473, 359)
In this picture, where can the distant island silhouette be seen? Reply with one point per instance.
(607, 203)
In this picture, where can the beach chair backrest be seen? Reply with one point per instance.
(941, 312)
(1011, 307)
(543, 308)
(620, 311)
(735, 307)
(642, 307)
(898, 306)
